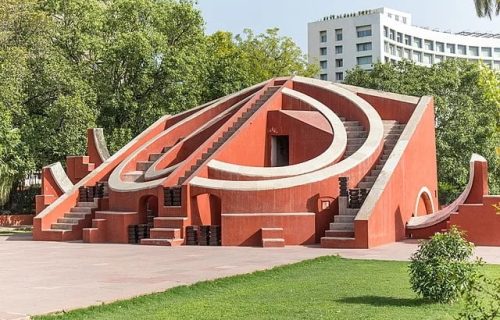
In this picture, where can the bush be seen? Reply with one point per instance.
(442, 267)
(482, 299)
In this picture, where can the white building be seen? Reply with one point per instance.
(339, 43)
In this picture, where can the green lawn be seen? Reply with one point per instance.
(323, 288)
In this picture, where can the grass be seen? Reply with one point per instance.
(323, 288)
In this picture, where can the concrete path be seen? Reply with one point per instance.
(43, 277)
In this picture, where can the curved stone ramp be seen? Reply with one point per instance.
(99, 144)
(59, 176)
(364, 153)
(334, 151)
(153, 172)
(429, 220)
(116, 182)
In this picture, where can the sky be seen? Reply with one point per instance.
(292, 16)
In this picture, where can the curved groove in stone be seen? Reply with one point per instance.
(152, 173)
(60, 177)
(432, 219)
(372, 143)
(115, 181)
(100, 144)
(334, 151)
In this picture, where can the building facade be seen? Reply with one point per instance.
(339, 43)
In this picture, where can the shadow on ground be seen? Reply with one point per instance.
(379, 301)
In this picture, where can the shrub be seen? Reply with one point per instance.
(481, 299)
(442, 267)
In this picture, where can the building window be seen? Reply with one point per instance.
(364, 31)
(396, 17)
(365, 46)
(386, 47)
(389, 15)
(323, 76)
(322, 36)
(392, 34)
(323, 64)
(439, 46)
(450, 48)
(339, 63)
(417, 56)
(407, 40)
(486, 52)
(399, 51)
(338, 34)
(417, 42)
(496, 65)
(404, 20)
(392, 49)
(322, 51)
(497, 53)
(438, 59)
(427, 58)
(399, 37)
(474, 51)
(461, 49)
(407, 54)
(429, 45)
(364, 60)
(338, 49)
(339, 76)
(386, 32)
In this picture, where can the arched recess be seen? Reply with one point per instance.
(148, 209)
(207, 209)
(423, 204)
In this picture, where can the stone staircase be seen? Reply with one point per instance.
(229, 132)
(342, 227)
(142, 166)
(70, 226)
(356, 136)
(272, 237)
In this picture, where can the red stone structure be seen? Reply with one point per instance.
(290, 161)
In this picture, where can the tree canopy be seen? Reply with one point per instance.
(66, 66)
(467, 107)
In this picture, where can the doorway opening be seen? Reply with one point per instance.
(279, 151)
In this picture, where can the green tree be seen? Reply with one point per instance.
(485, 8)
(467, 106)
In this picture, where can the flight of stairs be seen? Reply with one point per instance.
(71, 224)
(356, 136)
(272, 237)
(142, 166)
(342, 227)
(229, 132)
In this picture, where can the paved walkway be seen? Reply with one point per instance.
(43, 277)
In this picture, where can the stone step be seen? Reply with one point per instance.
(62, 226)
(378, 167)
(165, 233)
(351, 148)
(342, 226)
(82, 209)
(75, 215)
(155, 156)
(349, 212)
(391, 122)
(69, 220)
(351, 123)
(162, 242)
(273, 243)
(365, 185)
(390, 143)
(375, 172)
(133, 176)
(339, 233)
(356, 140)
(344, 218)
(338, 242)
(354, 129)
(271, 233)
(169, 222)
(86, 204)
(165, 149)
(397, 131)
(391, 136)
(143, 165)
(356, 134)
(370, 178)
